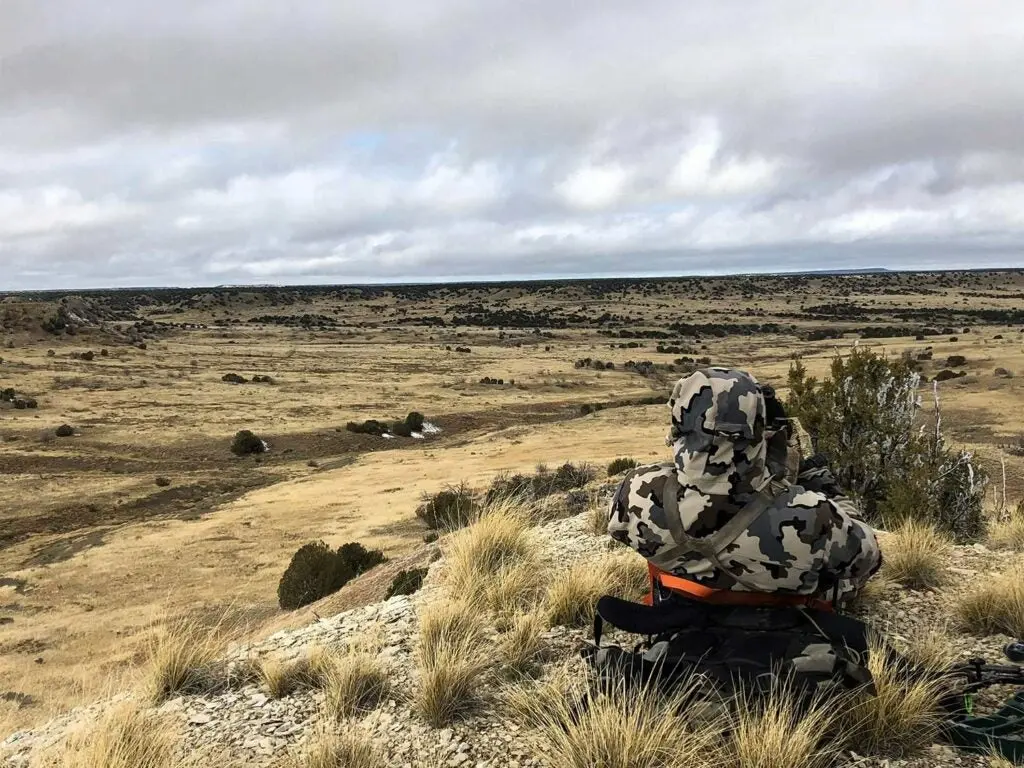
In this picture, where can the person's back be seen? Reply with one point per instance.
(717, 517)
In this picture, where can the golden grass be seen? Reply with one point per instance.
(930, 648)
(522, 648)
(327, 748)
(572, 596)
(773, 732)
(124, 737)
(1009, 533)
(573, 727)
(901, 719)
(995, 606)
(355, 682)
(451, 662)
(494, 561)
(182, 658)
(914, 555)
(876, 589)
(281, 678)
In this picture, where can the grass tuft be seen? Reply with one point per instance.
(124, 737)
(914, 555)
(356, 682)
(572, 596)
(574, 727)
(327, 748)
(522, 648)
(450, 661)
(182, 660)
(901, 719)
(281, 678)
(1009, 533)
(994, 607)
(495, 560)
(773, 732)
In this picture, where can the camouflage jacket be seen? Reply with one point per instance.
(801, 542)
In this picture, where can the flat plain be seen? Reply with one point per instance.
(144, 514)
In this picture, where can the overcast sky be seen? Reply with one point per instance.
(204, 142)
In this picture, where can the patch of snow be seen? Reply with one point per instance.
(388, 436)
(417, 435)
(430, 429)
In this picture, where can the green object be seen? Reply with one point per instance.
(1001, 732)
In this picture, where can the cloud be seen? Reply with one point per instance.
(212, 141)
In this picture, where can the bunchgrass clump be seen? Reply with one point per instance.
(494, 562)
(994, 606)
(329, 748)
(451, 661)
(281, 678)
(914, 555)
(1009, 532)
(574, 726)
(124, 737)
(182, 659)
(572, 596)
(522, 648)
(354, 682)
(902, 717)
(773, 730)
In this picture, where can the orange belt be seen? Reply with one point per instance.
(693, 590)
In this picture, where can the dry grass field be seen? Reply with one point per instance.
(94, 551)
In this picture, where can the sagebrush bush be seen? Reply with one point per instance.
(406, 582)
(620, 465)
(451, 508)
(246, 443)
(864, 417)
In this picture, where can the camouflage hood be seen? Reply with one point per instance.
(718, 433)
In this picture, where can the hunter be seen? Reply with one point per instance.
(737, 511)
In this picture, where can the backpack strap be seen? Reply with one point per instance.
(710, 547)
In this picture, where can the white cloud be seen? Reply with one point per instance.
(592, 187)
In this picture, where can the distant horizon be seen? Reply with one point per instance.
(495, 279)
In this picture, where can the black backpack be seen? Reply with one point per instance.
(737, 648)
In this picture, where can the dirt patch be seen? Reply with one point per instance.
(18, 584)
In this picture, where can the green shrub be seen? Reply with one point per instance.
(509, 486)
(956, 361)
(315, 571)
(358, 559)
(448, 509)
(233, 378)
(163, 482)
(865, 418)
(620, 465)
(415, 421)
(7, 395)
(65, 430)
(401, 429)
(406, 582)
(368, 427)
(570, 476)
(246, 443)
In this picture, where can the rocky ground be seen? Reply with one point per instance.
(247, 727)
